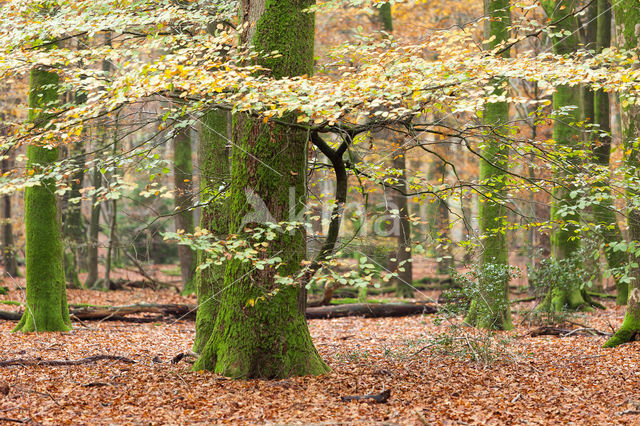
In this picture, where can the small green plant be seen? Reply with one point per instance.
(483, 347)
(563, 274)
(353, 356)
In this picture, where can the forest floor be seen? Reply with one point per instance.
(437, 372)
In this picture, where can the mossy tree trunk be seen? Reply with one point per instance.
(627, 17)
(490, 306)
(46, 304)
(403, 283)
(604, 211)
(565, 241)
(182, 177)
(213, 159)
(260, 329)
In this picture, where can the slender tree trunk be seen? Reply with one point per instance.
(8, 250)
(490, 307)
(260, 330)
(46, 304)
(627, 17)
(404, 281)
(73, 228)
(213, 158)
(565, 240)
(182, 177)
(604, 211)
(113, 220)
(94, 231)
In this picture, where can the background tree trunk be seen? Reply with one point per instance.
(404, 281)
(182, 177)
(490, 306)
(9, 260)
(565, 241)
(604, 212)
(94, 231)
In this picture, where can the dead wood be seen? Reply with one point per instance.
(184, 311)
(54, 362)
(371, 310)
(563, 332)
(379, 397)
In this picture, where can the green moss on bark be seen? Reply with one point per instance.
(490, 308)
(213, 158)
(565, 241)
(260, 328)
(46, 301)
(627, 17)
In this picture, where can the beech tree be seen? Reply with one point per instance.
(182, 177)
(46, 303)
(260, 328)
(565, 239)
(604, 211)
(490, 306)
(213, 159)
(627, 16)
(404, 281)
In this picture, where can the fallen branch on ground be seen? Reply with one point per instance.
(87, 360)
(379, 398)
(562, 332)
(371, 310)
(180, 311)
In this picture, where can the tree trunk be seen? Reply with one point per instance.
(213, 158)
(8, 250)
(73, 229)
(46, 302)
(565, 240)
(604, 212)
(94, 230)
(627, 16)
(260, 330)
(404, 281)
(490, 306)
(182, 177)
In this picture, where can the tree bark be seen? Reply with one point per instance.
(46, 299)
(73, 229)
(490, 306)
(404, 280)
(565, 241)
(213, 157)
(627, 17)
(94, 230)
(182, 177)
(604, 212)
(8, 249)
(260, 331)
